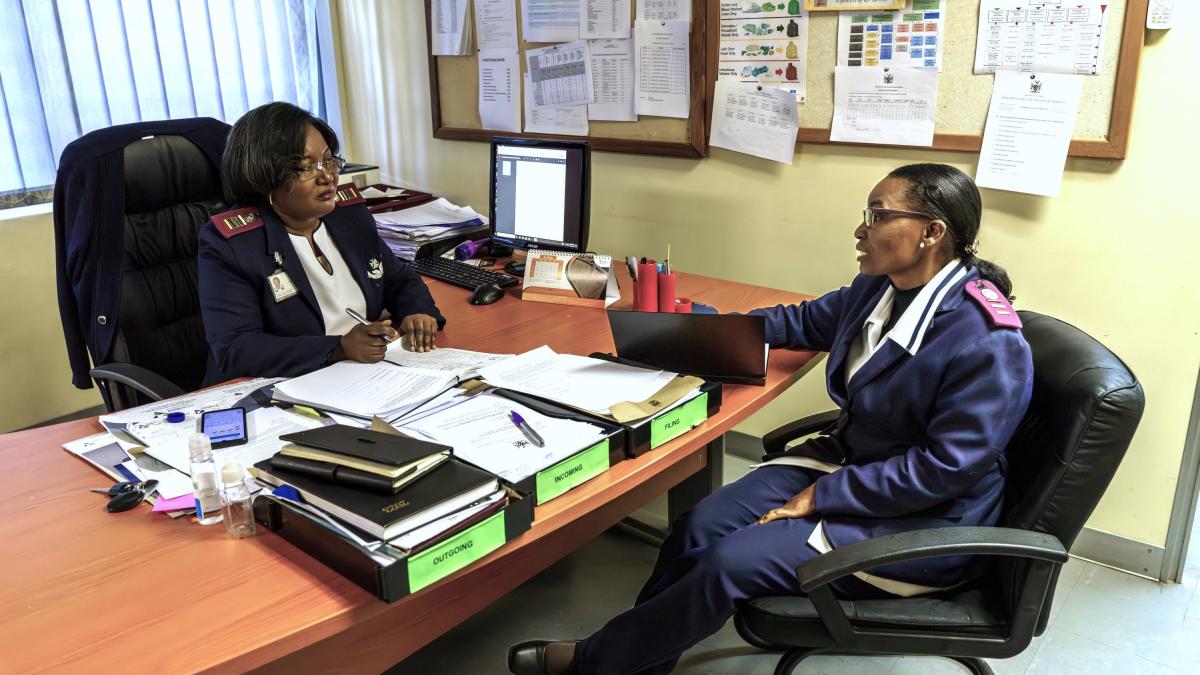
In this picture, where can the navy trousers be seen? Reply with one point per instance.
(715, 557)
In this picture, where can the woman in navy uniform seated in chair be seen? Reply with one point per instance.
(932, 375)
(278, 273)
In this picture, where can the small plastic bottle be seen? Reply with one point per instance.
(204, 480)
(238, 509)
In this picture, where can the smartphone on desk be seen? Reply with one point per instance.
(224, 427)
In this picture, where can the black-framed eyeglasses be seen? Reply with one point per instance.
(873, 214)
(126, 494)
(331, 166)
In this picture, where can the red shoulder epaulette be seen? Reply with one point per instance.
(995, 305)
(347, 195)
(237, 221)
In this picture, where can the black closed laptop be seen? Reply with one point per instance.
(724, 347)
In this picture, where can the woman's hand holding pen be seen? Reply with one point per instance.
(366, 343)
(419, 331)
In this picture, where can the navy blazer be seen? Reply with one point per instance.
(251, 335)
(89, 230)
(924, 422)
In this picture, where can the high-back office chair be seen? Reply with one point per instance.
(1086, 405)
(154, 347)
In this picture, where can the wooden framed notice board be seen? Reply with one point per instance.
(454, 96)
(1101, 128)
(1105, 111)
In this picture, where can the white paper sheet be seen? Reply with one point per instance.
(663, 75)
(463, 363)
(496, 24)
(1160, 15)
(482, 433)
(601, 19)
(364, 389)
(499, 85)
(560, 74)
(664, 10)
(263, 427)
(437, 212)
(894, 106)
(1040, 36)
(550, 20)
(909, 38)
(148, 423)
(566, 120)
(450, 28)
(760, 123)
(612, 80)
(580, 382)
(1028, 131)
(761, 43)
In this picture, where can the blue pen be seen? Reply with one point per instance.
(526, 429)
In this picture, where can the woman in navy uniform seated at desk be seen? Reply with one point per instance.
(278, 273)
(932, 375)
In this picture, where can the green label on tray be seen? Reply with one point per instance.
(678, 421)
(572, 471)
(455, 553)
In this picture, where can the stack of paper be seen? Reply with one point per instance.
(576, 381)
(365, 390)
(406, 230)
(461, 362)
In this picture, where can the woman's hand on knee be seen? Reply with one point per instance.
(803, 504)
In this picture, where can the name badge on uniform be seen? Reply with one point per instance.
(281, 285)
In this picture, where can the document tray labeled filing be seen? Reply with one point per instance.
(641, 436)
(424, 568)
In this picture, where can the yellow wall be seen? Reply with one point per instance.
(33, 356)
(1114, 254)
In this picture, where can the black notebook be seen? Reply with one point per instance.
(362, 449)
(450, 487)
(387, 484)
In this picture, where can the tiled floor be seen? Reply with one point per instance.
(1103, 622)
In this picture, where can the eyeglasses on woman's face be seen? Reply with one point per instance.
(875, 214)
(331, 166)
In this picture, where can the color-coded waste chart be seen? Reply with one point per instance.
(764, 43)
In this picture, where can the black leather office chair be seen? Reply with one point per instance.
(1086, 405)
(158, 346)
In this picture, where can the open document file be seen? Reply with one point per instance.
(482, 432)
(577, 381)
(365, 390)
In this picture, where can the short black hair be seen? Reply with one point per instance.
(951, 196)
(263, 149)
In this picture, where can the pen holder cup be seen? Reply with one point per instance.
(666, 292)
(646, 296)
(683, 306)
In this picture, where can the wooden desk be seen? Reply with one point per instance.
(84, 589)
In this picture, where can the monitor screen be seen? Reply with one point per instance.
(540, 193)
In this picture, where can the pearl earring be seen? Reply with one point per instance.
(922, 245)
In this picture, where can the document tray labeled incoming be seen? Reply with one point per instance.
(723, 347)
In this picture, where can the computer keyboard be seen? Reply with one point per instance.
(460, 273)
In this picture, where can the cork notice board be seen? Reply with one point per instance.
(454, 98)
(1101, 129)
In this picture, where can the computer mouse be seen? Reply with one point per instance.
(486, 294)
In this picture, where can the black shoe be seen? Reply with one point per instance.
(529, 658)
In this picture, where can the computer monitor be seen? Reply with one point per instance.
(539, 193)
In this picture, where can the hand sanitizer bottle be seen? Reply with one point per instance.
(204, 480)
(238, 510)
